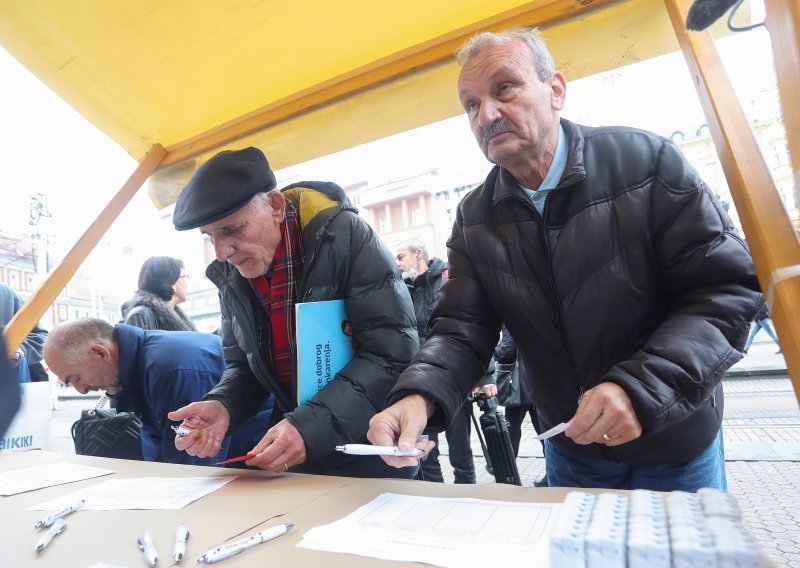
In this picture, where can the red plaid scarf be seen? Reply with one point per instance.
(277, 291)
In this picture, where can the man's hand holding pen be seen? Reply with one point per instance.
(281, 448)
(401, 425)
(208, 422)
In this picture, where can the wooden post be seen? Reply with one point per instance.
(770, 235)
(31, 311)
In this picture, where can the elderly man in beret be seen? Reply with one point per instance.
(274, 248)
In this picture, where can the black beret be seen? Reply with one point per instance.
(221, 186)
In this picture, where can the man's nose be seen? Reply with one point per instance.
(222, 251)
(488, 113)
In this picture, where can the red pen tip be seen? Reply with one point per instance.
(239, 459)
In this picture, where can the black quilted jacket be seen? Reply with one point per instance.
(634, 274)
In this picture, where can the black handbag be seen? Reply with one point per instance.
(506, 375)
(106, 433)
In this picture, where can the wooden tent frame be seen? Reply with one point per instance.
(771, 237)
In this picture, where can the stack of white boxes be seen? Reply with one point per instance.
(692, 530)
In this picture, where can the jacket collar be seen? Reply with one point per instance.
(505, 185)
(130, 340)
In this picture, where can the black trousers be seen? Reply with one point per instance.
(458, 441)
(515, 415)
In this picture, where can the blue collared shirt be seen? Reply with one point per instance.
(550, 181)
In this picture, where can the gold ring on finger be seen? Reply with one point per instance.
(606, 437)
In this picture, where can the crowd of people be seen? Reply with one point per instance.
(620, 277)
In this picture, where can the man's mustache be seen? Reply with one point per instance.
(495, 128)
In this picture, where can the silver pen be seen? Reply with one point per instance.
(181, 536)
(58, 527)
(145, 543)
(181, 431)
(224, 551)
(50, 519)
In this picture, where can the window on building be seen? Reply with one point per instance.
(13, 279)
(384, 224)
(416, 216)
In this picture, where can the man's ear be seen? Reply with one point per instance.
(100, 351)
(558, 87)
(277, 203)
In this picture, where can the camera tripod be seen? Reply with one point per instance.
(496, 440)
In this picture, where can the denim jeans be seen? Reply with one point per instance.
(706, 470)
(766, 325)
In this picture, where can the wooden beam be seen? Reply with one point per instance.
(783, 24)
(31, 311)
(403, 63)
(766, 224)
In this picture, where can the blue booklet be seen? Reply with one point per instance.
(324, 345)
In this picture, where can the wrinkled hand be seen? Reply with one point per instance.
(280, 448)
(208, 422)
(489, 389)
(604, 409)
(402, 424)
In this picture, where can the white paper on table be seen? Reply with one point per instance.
(441, 531)
(139, 493)
(37, 477)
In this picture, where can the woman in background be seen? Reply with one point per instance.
(163, 284)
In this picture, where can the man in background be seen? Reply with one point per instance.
(31, 348)
(147, 372)
(424, 277)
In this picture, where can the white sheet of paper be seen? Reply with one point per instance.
(557, 429)
(441, 531)
(37, 477)
(139, 493)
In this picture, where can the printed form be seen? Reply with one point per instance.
(139, 493)
(441, 531)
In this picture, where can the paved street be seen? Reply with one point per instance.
(762, 446)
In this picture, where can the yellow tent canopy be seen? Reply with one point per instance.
(173, 81)
(194, 75)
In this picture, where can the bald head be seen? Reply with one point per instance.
(83, 353)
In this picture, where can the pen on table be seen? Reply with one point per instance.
(181, 431)
(239, 459)
(58, 527)
(368, 450)
(145, 543)
(50, 519)
(224, 551)
(181, 536)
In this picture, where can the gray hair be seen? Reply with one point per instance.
(545, 66)
(73, 338)
(414, 244)
(260, 200)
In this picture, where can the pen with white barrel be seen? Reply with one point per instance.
(369, 450)
(58, 527)
(145, 543)
(224, 551)
(50, 519)
(181, 536)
